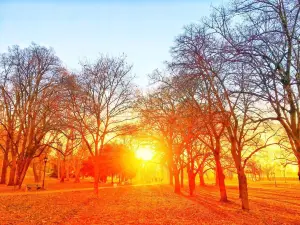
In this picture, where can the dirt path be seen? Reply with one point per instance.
(40, 192)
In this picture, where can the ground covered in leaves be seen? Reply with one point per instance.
(153, 204)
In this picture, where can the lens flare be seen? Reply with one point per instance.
(144, 153)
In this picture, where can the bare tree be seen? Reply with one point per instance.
(102, 103)
(29, 79)
(266, 38)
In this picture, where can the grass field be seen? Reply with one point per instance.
(153, 204)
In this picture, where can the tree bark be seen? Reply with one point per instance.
(192, 183)
(63, 171)
(24, 165)
(221, 178)
(201, 177)
(77, 171)
(177, 183)
(35, 172)
(4, 168)
(13, 169)
(243, 188)
(41, 169)
(58, 168)
(77, 178)
(240, 185)
(216, 177)
(67, 170)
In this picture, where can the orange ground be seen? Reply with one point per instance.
(155, 204)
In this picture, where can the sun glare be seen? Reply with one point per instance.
(144, 153)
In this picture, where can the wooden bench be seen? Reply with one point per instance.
(30, 187)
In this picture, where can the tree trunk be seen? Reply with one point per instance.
(77, 171)
(192, 183)
(221, 178)
(240, 186)
(77, 178)
(216, 177)
(24, 165)
(35, 172)
(181, 177)
(67, 170)
(177, 182)
(4, 168)
(201, 177)
(41, 169)
(243, 188)
(170, 175)
(63, 171)
(58, 168)
(13, 169)
(96, 178)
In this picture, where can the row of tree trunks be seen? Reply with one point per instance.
(63, 169)
(18, 171)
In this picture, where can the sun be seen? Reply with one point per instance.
(144, 153)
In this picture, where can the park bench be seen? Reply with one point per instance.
(30, 187)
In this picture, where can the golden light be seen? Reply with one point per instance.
(144, 153)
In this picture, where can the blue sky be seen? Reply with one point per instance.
(78, 30)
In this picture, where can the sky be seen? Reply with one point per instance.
(82, 30)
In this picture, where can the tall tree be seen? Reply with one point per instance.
(102, 103)
(266, 39)
(29, 88)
